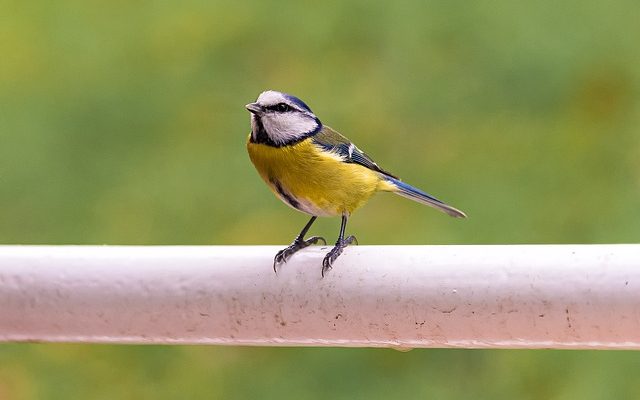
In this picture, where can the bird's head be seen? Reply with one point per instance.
(279, 119)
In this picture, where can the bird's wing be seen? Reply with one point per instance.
(334, 142)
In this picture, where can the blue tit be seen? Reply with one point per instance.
(316, 170)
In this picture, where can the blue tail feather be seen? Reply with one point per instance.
(410, 192)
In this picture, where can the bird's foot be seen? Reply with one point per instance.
(298, 244)
(331, 256)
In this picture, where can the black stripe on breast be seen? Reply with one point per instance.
(286, 196)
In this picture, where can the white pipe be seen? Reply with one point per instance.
(511, 296)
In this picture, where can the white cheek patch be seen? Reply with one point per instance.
(286, 127)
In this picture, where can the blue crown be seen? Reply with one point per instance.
(297, 102)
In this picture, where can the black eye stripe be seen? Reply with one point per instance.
(280, 107)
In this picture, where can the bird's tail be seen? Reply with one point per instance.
(408, 191)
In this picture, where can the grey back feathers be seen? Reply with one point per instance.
(280, 119)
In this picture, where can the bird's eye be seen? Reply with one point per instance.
(282, 107)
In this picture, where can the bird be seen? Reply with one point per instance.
(314, 169)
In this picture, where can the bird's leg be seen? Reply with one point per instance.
(337, 249)
(298, 244)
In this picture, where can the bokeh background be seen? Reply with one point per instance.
(123, 123)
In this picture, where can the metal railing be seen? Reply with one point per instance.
(506, 296)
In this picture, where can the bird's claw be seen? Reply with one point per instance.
(327, 262)
(283, 255)
(316, 239)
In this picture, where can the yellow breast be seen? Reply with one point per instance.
(319, 182)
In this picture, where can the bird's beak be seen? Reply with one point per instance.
(254, 108)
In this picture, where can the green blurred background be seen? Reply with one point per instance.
(123, 123)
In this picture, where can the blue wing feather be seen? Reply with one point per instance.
(332, 141)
